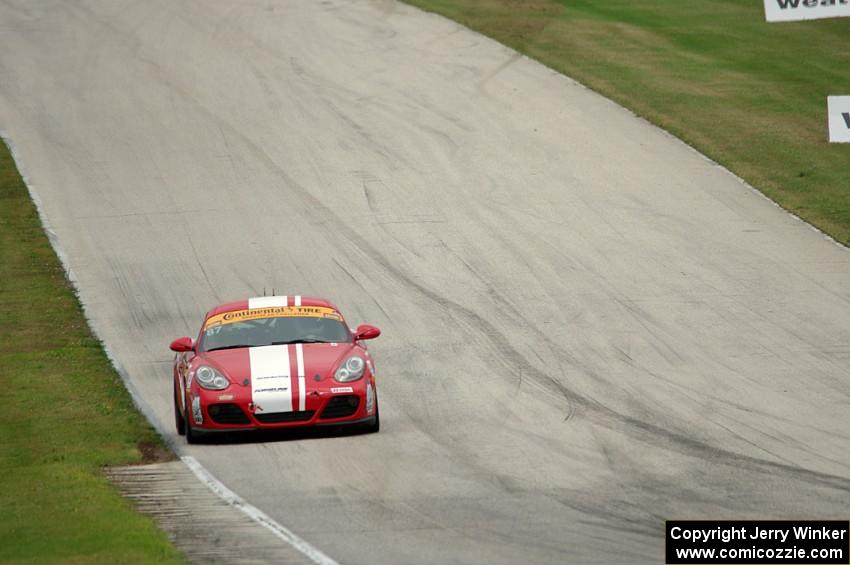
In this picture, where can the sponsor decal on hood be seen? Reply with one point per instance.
(271, 385)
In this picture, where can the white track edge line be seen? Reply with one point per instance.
(140, 403)
(255, 513)
(199, 470)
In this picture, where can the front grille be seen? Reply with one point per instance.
(227, 414)
(278, 417)
(341, 406)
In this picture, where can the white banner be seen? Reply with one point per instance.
(838, 109)
(795, 10)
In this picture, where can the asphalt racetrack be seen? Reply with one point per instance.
(588, 327)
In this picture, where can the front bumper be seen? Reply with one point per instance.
(327, 409)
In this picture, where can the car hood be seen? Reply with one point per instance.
(320, 361)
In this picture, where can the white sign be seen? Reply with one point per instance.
(795, 10)
(838, 109)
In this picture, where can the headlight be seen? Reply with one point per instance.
(351, 370)
(210, 379)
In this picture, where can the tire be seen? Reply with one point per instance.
(179, 420)
(192, 436)
(375, 426)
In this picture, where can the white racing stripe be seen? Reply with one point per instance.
(271, 382)
(256, 514)
(299, 358)
(269, 302)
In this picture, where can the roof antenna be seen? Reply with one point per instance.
(273, 294)
(264, 291)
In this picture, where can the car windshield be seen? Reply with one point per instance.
(274, 331)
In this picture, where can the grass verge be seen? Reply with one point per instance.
(65, 413)
(748, 94)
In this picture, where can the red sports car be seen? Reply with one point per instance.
(274, 362)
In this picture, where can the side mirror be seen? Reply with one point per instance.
(182, 344)
(366, 331)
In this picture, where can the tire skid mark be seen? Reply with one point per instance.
(595, 411)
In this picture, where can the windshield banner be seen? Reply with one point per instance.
(272, 312)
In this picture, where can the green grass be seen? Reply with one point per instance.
(748, 94)
(65, 412)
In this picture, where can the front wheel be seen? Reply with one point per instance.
(375, 426)
(179, 420)
(192, 435)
